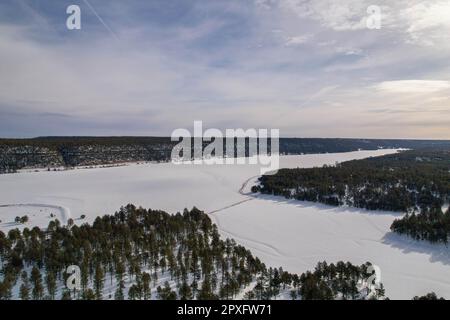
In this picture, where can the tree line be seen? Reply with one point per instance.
(430, 224)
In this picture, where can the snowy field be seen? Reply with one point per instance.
(292, 234)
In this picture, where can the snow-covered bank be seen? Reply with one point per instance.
(283, 233)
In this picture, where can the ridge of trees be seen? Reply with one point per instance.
(54, 152)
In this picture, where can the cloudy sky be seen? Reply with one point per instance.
(309, 68)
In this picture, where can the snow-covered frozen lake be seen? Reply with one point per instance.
(292, 234)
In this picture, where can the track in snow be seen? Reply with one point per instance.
(65, 212)
(269, 248)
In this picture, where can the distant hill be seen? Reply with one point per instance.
(51, 152)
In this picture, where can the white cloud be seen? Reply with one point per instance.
(349, 51)
(413, 86)
(337, 15)
(418, 22)
(427, 22)
(298, 40)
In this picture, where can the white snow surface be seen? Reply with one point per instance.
(292, 234)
